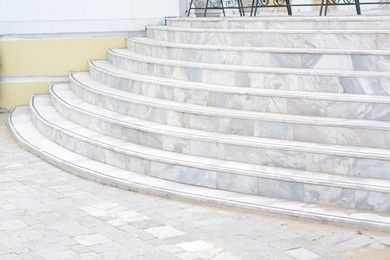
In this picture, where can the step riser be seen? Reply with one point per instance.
(215, 179)
(188, 144)
(258, 79)
(303, 160)
(298, 39)
(20, 121)
(323, 24)
(365, 62)
(251, 102)
(270, 128)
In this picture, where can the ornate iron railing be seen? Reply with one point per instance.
(205, 5)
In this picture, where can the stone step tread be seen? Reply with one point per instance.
(269, 31)
(105, 66)
(126, 54)
(154, 42)
(89, 83)
(27, 135)
(64, 94)
(42, 107)
(360, 18)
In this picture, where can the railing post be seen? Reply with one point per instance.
(189, 9)
(357, 5)
(288, 7)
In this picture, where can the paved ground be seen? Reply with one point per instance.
(46, 213)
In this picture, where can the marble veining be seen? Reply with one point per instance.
(260, 111)
(281, 189)
(348, 39)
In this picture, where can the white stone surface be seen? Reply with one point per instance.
(316, 80)
(331, 39)
(76, 164)
(197, 171)
(151, 117)
(92, 239)
(264, 56)
(11, 224)
(195, 246)
(302, 253)
(58, 16)
(236, 232)
(164, 232)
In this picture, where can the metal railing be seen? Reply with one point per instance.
(206, 5)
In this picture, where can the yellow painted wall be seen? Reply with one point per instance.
(19, 94)
(52, 57)
(45, 58)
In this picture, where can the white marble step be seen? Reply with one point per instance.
(273, 22)
(357, 82)
(325, 39)
(304, 186)
(252, 99)
(28, 137)
(156, 135)
(371, 60)
(310, 156)
(366, 133)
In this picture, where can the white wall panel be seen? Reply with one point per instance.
(155, 8)
(60, 10)
(18, 10)
(112, 9)
(62, 16)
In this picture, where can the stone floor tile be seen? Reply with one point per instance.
(352, 244)
(384, 240)
(200, 249)
(225, 255)
(164, 232)
(187, 256)
(55, 214)
(28, 237)
(312, 234)
(7, 241)
(195, 246)
(170, 249)
(80, 249)
(285, 244)
(4, 250)
(302, 253)
(11, 256)
(173, 240)
(90, 256)
(130, 216)
(337, 238)
(60, 255)
(92, 239)
(116, 222)
(12, 224)
(160, 256)
(30, 256)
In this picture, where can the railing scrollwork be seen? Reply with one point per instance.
(237, 4)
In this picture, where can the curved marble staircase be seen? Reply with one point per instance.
(280, 115)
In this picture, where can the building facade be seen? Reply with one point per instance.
(41, 41)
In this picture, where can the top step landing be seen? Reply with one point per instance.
(275, 22)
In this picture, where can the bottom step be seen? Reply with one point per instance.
(29, 137)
